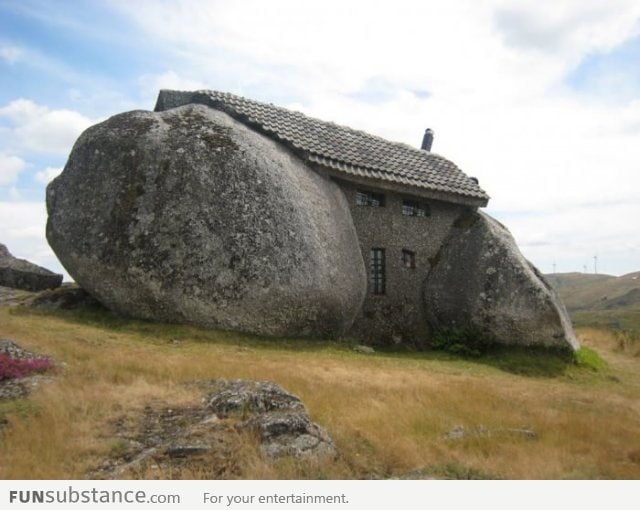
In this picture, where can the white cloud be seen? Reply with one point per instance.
(571, 28)
(461, 46)
(10, 167)
(22, 111)
(22, 230)
(19, 220)
(572, 237)
(11, 54)
(561, 168)
(14, 193)
(41, 129)
(495, 72)
(152, 83)
(48, 174)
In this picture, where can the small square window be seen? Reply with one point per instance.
(369, 198)
(408, 259)
(413, 208)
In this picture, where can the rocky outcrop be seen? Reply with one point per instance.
(237, 420)
(15, 297)
(278, 419)
(482, 282)
(22, 274)
(68, 297)
(189, 216)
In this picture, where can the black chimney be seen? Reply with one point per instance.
(427, 140)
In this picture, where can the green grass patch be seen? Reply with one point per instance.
(529, 361)
(477, 345)
(588, 358)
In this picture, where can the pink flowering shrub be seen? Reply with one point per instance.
(12, 368)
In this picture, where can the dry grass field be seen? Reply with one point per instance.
(388, 413)
(600, 300)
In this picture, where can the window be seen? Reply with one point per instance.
(408, 259)
(412, 208)
(377, 271)
(369, 198)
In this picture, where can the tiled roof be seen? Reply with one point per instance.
(342, 149)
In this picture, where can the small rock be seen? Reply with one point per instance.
(459, 432)
(13, 350)
(13, 388)
(183, 451)
(364, 349)
(456, 432)
(251, 397)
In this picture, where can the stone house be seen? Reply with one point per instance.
(403, 201)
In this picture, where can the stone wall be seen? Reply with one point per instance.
(398, 314)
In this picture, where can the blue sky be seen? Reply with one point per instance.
(542, 104)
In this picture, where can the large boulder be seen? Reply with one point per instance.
(22, 274)
(188, 216)
(482, 283)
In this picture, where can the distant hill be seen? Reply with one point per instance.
(598, 299)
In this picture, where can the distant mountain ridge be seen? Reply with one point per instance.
(600, 299)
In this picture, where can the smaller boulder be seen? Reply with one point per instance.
(22, 274)
(481, 282)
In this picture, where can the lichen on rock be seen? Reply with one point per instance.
(189, 216)
(483, 282)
